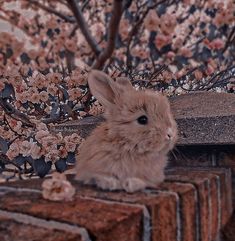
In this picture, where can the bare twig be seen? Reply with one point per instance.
(84, 5)
(53, 11)
(14, 113)
(218, 79)
(73, 31)
(230, 40)
(84, 27)
(112, 35)
(9, 126)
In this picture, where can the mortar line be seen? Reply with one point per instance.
(210, 208)
(219, 202)
(17, 189)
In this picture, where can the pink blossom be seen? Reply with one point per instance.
(42, 63)
(43, 96)
(54, 77)
(52, 89)
(198, 74)
(133, 7)
(32, 53)
(2, 85)
(71, 45)
(32, 90)
(52, 23)
(98, 30)
(180, 73)
(152, 20)
(22, 23)
(16, 125)
(124, 28)
(209, 70)
(24, 69)
(217, 44)
(58, 188)
(25, 148)
(41, 134)
(74, 93)
(52, 155)
(35, 151)
(186, 52)
(15, 80)
(42, 126)
(63, 152)
(13, 151)
(49, 142)
(75, 138)
(162, 40)
(168, 23)
(70, 146)
(94, 110)
(170, 55)
(177, 43)
(23, 97)
(57, 45)
(40, 81)
(35, 98)
(140, 52)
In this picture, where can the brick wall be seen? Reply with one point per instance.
(191, 205)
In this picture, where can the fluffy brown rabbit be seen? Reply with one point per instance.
(129, 150)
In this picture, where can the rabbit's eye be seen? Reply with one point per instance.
(143, 120)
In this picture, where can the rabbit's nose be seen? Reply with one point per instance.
(169, 134)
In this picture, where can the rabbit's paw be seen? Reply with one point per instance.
(107, 183)
(133, 184)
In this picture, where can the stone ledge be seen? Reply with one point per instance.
(206, 118)
(192, 204)
(203, 118)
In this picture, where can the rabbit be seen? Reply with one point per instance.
(129, 150)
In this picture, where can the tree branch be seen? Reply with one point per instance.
(53, 11)
(112, 35)
(14, 113)
(84, 27)
(230, 39)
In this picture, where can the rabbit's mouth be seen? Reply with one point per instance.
(169, 145)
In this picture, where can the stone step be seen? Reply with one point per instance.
(193, 204)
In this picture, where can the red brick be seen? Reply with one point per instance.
(207, 192)
(104, 221)
(188, 208)
(226, 192)
(11, 230)
(225, 183)
(162, 208)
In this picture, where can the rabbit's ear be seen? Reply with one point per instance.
(102, 87)
(124, 82)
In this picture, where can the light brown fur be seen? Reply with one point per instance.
(121, 153)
